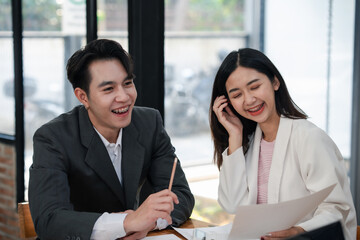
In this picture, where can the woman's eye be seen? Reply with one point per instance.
(237, 95)
(255, 87)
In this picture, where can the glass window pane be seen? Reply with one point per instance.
(7, 101)
(53, 31)
(316, 62)
(199, 34)
(113, 21)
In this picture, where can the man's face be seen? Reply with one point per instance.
(111, 97)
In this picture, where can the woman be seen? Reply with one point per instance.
(267, 151)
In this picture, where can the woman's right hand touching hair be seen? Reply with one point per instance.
(230, 121)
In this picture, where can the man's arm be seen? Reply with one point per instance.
(49, 194)
(162, 163)
(136, 224)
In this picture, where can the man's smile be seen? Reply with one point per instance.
(121, 110)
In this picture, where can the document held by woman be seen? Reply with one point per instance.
(254, 221)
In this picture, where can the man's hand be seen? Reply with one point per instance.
(283, 234)
(157, 205)
(137, 235)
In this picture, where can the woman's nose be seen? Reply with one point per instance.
(249, 98)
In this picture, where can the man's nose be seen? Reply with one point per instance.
(121, 95)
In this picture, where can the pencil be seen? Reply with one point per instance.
(172, 173)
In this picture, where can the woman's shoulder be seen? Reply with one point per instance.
(304, 126)
(306, 130)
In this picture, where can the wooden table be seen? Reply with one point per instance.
(190, 223)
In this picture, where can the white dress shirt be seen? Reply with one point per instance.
(111, 225)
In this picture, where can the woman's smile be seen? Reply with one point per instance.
(254, 111)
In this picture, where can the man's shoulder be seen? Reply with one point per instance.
(144, 110)
(147, 113)
(145, 118)
(64, 122)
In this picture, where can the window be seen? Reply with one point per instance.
(316, 62)
(113, 21)
(7, 101)
(198, 36)
(53, 30)
(50, 38)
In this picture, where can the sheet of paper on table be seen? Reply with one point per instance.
(254, 221)
(162, 237)
(221, 232)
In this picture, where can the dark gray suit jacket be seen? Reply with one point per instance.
(73, 181)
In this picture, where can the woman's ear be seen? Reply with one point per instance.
(82, 97)
(276, 83)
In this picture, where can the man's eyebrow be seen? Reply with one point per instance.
(104, 83)
(249, 83)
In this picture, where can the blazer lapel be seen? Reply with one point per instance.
(279, 154)
(252, 165)
(132, 164)
(97, 156)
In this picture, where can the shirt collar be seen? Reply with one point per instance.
(106, 142)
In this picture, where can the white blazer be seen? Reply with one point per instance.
(305, 160)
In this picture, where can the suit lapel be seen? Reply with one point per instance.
(278, 159)
(97, 156)
(132, 164)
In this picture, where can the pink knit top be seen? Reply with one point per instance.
(265, 157)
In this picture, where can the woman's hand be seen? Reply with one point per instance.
(283, 234)
(230, 121)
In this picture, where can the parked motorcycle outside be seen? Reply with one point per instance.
(187, 99)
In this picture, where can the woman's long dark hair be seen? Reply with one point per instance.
(249, 58)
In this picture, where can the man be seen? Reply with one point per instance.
(101, 171)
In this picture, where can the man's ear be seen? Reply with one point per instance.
(82, 97)
(276, 83)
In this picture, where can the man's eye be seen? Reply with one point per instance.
(108, 89)
(255, 87)
(129, 82)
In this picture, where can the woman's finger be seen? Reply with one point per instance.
(218, 101)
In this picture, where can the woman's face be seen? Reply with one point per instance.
(252, 95)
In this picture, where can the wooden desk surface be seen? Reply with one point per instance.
(190, 223)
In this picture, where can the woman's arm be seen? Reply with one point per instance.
(322, 165)
(233, 184)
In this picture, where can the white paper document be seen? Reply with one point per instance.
(221, 232)
(163, 237)
(254, 221)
